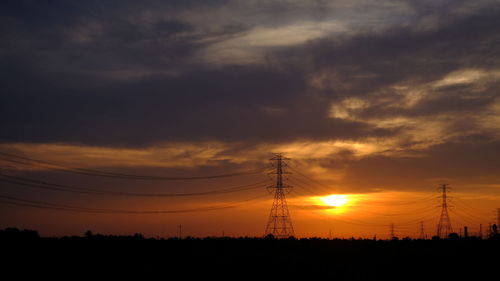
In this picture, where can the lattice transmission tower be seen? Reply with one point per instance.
(422, 233)
(444, 225)
(279, 223)
(391, 232)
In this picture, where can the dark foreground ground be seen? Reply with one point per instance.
(97, 257)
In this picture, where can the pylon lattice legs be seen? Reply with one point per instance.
(444, 226)
(279, 224)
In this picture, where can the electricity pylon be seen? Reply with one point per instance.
(444, 226)
(392, 234)
(279, 223)
(422, 233)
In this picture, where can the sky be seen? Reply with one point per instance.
(379, 102)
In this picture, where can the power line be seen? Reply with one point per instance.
(304, 186)
(422, 233)
(425, 212)
(470, 209)
(67, 188)
(53, 206)
(316, 183)
(414, 221)
(424, 209)
(466, 218)
(91, 172)
(400, 202)
(298, 182)
(467, 214)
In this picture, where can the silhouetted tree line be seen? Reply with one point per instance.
(17, 234)
(135, 257)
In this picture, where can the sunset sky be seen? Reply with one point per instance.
(375, 102)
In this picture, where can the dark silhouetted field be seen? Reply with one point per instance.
(26, 255)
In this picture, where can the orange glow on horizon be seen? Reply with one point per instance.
(324, 198)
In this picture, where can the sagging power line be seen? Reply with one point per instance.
(279, 223)
(62, 207)
(91, 172)
(22, 181)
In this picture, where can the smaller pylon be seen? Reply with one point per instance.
(422, 233)
(444, 226)
(393, 236)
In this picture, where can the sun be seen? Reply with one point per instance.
(335, 203)
(335, 200)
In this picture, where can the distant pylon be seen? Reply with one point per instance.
(279, 223)
(392, 231)
(444, 226)
(480, 234)
(422, 233)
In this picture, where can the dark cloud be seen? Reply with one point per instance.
(371, 61)
(230, 104)
(104, 74)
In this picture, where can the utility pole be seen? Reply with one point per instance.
(444, 226)
(279, 224)
(480, 234)
(392, 231)
(180, 231)
(422, 233)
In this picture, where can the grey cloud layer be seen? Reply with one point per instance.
(129, 74)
